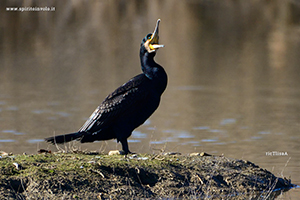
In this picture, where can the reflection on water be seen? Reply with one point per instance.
(233, 70)
(7, 140)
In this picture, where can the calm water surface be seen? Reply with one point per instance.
(233, 68)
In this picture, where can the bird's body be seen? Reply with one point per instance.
(128, 107)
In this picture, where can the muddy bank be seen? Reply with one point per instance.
(96, 176)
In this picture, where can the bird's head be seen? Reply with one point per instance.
(151, 41)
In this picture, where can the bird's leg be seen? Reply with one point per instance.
(125, 146)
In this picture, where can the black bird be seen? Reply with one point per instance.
(129, 106)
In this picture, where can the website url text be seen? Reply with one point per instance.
(31, 9)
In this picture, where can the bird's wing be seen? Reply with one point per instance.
(120, 101)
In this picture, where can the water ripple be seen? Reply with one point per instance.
(8, 131)
(13, 132)
(38, 111)
(35, 140)
(138, 134)
(227, 121)
(63, 114)
(134, 141)
(8, 140)
(201, 128)
(209, 140)
(12, 108)
(264, 132)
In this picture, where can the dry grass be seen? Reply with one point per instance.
(86, 175)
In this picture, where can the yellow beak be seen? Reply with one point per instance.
(154, 41)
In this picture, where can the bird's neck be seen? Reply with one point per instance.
(154, 71)
(149, 66)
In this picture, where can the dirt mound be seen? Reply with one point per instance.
(81, 176)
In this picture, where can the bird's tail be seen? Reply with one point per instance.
(65, 138)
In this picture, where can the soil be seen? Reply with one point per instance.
(81, 175)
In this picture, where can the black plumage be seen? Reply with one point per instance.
(128, 106)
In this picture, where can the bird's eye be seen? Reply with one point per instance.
(149, 36)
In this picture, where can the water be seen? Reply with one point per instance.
(233, 70)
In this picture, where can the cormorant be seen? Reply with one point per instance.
(129, 106)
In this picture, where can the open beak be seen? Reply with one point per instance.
(154, 41)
